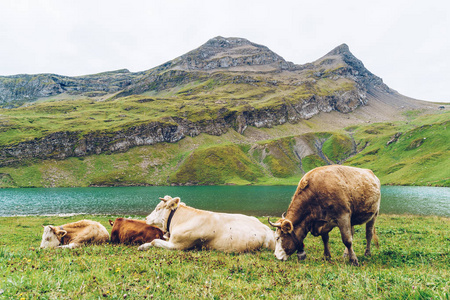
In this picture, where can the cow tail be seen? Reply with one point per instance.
(375, 238)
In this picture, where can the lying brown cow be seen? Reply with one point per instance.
(128, 231)
(327, 197)
(73, 235)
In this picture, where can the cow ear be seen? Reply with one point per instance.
(286, 226)
(61, 233)
(173, 203)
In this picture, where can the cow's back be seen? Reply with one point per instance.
(240, 233)
(85, 231)
(345, 189)
(129, 231)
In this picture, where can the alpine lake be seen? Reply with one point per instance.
(249, 200)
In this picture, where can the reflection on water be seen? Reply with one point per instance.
(250, 200)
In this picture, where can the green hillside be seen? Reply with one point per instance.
(199, 101)
(420, 155)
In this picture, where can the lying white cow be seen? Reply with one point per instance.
(73, 235)
(190, 228)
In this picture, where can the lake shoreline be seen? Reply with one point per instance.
(184, 185)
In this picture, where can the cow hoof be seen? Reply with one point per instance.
(355, 263)
(367, 253)
(301, 256)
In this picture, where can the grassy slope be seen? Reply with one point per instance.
(195, 101)
(412, 262)
(420, 156)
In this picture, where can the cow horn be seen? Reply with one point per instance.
(166, 198)
(283, 215)
(272, 224)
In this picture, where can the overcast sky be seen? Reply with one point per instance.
(405, 42)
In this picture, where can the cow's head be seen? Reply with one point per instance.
(52, 236)
(159, 216)
(288, 240)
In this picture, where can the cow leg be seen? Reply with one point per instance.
(158, 243)
(70, 246)
(326, 249)
(370, 226)
(347, 238)
(345, 249)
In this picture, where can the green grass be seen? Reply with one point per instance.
(420, 156)
(312, 161)
(338, 147)
(412, 262)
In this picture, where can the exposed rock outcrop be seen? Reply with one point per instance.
(18, 89)
(224, 53)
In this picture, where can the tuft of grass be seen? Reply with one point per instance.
(412, 262)
(312, 161)
(338, 147)
(226, 164)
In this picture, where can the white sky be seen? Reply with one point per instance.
(405, 42)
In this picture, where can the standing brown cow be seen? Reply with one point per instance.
(327, 197)
(129, 231)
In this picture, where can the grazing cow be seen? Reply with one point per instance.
(326, 197)
(128, 231)
(191, 228)
(73, 235)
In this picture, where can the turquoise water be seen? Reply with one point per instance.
(250, 200)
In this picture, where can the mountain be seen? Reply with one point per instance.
(229, 88)
(224, 55)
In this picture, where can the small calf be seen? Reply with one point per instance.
(73, 235)
(129, 231)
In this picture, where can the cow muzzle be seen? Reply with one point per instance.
(280, 253)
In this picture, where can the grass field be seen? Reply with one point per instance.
(412, 262)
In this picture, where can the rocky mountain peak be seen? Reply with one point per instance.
(342, 53)
(342, 49)
(354, 68)
(221, 42)
(230, 53)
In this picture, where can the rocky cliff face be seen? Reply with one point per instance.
(230, 61)
(18, 89)
(61, 145)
